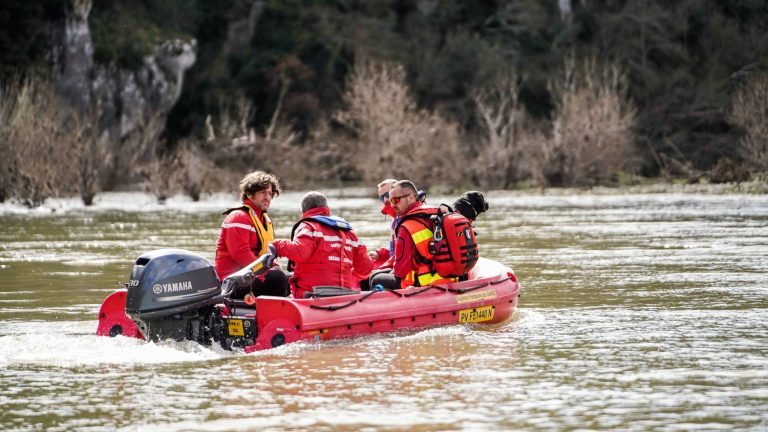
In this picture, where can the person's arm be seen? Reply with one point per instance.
(238, 243)
(361, 262)
(300, 248)
(404, 250)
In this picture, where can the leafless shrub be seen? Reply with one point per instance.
(90, 157)
(160, 174)
(49, 149)
(749, 110)
(509, 139)
(232, 143)
(6, 167)
(592, 136)
(38, 131)
(193, 173)
(394, 138)
(137, 159)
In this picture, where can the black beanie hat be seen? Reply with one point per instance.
(471, 204)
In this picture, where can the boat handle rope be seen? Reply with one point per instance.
(334, 307)
(430, 287)
(437, 287)
(466, 290)
(501, 280)
(389, 291)
(350, 303)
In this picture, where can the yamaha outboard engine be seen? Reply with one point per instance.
(171, 295)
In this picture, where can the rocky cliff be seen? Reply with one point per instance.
(125, 101)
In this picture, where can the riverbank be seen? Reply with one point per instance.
(133, 198)
(751, 187)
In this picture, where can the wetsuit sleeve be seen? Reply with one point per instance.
(404, 250)
(300, 248)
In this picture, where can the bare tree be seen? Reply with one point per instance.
(393, 137)
(90, 157)
(592, 136)
(36, 128)
(749, 110)
(509, 137)
(156, 170)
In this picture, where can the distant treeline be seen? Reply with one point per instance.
(544, 92)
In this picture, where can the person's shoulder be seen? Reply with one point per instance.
(310, 224)
(306, 228)
(238, 215)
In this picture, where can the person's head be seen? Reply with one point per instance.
(313, 200)
(402, 195)
(259, 187)
(383, 189)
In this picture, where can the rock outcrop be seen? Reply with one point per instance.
(125, 101)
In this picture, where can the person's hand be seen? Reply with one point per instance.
(373, 255)
(272, 255)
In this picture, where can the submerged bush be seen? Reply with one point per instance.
(593, 127)
(48, 149)
(392, 136)
(749, 110)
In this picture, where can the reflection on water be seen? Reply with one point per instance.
(638, 312)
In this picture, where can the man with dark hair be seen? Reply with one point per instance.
(246, 234)
(412, 259)
(323, 249)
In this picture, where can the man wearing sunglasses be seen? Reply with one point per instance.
(382, 257)
(412, 258)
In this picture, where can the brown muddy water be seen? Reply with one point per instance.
(638, 312)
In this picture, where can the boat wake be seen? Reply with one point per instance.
(73, 345)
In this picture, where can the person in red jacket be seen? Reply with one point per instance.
(246, 234)
(324, 249)
(382, 257)
(412, 258)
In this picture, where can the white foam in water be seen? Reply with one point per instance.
(74, 344)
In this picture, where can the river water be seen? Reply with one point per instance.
(638, 312)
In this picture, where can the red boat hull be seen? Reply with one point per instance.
(112, 318)
(487, 300)
(489, 296)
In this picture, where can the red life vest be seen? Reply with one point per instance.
(445, 242)
(420, 226)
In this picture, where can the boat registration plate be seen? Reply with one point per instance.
(235, 327)
(479, 314)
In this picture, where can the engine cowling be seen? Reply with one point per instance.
(171, 294)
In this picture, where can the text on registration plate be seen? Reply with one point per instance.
(479, 314)
(236, 327)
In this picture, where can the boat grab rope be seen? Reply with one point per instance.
(425, 289)
(342, 306)
(501, 280)
(430, 287)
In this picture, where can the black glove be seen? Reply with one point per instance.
(272, 254)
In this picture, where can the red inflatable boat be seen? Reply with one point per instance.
(174, 294)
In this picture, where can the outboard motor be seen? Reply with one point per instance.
(171, 295)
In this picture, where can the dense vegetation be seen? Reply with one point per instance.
(677, 67)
